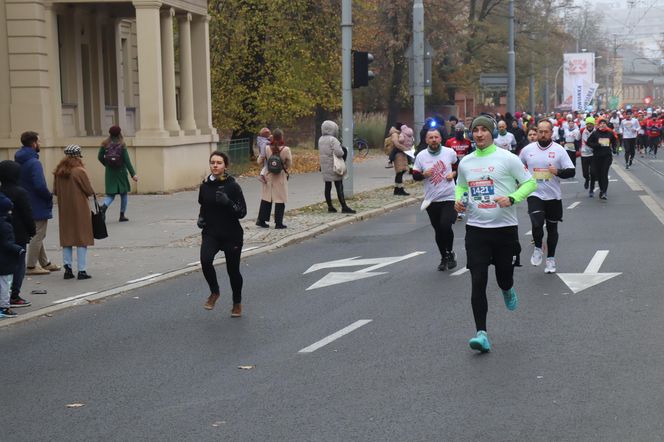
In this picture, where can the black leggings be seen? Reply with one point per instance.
(398, 178)
(630, 149)
(600, 170)
(442, 215)
(486, 246)
(232, 251)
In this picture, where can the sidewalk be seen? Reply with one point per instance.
(161, 239)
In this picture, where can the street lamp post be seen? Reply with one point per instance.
(555, 86)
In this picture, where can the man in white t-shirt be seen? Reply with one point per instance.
(434, 166)
(548, 162)
(505, 139)
(629, 129)
(487, 190)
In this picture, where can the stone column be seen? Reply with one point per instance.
(151, 101)
(188, 122)
(200, 54)
(168, 65)
(119, 75)
(54, 63)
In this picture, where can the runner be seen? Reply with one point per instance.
(532, 134)
(462, 146)
(587, 157)
(548, 162)
(629, 129)
(434, 166)
(505, 139)
(487, 189)
(571, 137)
(602, 141)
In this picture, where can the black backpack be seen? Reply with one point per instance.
(113, 155)
(274, 163)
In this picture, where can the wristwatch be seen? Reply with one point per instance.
(511, 200)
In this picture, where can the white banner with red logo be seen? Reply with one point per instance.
(578, 80)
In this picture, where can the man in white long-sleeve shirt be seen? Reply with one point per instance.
(629, 129)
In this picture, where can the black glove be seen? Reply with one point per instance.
(200, 223)
(221, 198)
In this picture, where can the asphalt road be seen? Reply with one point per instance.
(154, 365)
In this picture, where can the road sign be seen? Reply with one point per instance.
(590, 276)
(333, 278)
(494, 81)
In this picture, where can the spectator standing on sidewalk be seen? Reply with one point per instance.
(22, 222)
(222, 208)
(73, 188)
(262, 141)
(275, 187)
(329, 147)
(115, 159)
(9, 257)
(400, 159)
(41, 201)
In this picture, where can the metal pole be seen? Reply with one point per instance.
(546, 89)
(418, 67)
(511, 64)
(531, 98)
(347, 97)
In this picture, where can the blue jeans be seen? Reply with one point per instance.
(123, 201)
(81, 257)
(5, 284)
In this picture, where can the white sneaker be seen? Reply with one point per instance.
(536, 259)
(550, 265)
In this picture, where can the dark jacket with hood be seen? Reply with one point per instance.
(602, 142)
(33, 180)
(222, 208)
(22, 220)
(9, 250)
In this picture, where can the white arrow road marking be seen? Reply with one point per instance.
(334, 336)
(574, 204)
(590, 276)
(460, 271)
(333, 278)
(529, 233)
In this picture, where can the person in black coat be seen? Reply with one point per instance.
(222, 208)
(22, 222)
(10, 253)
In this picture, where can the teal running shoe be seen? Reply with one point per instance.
(480, 342)
(511, 300)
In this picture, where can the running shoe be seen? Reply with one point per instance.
(602, 196)
(550, 265)
(536, 259)
(480, 342)
(586, 184)
(451, 260)
(511, 300)
(591, 194)
(443, 264)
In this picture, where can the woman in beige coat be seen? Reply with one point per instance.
(275, 187)
(400, 161)
(73, 188)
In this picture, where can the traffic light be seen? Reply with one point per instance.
(361, 72)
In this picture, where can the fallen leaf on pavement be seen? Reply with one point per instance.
(75, 405)
(246, 367)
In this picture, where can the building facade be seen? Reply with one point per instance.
(71, 69)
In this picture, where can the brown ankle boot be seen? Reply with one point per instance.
(236, 312)
(211, 301)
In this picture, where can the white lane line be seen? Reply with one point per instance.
(145, 278)
(460, 271)
(569, 182)
(653, 206)
(529, 233)
(627, 178)
(596, 262)
(574, 204)
(613, 181)
(71, 298)
(334, 336)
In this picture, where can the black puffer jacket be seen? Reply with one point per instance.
(9, 251)
(221, 219)
(22, 220)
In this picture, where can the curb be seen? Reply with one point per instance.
(289, 240)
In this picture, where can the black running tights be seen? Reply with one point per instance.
(209, 248)
(600, 170)
(479, 276)
(630, 149)
(442, 215)
(398, 179)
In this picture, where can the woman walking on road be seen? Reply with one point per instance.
(328, 148)
(113, 155)
(73, 188)
(222, 208)
(275, 187)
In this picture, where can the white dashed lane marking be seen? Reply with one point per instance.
(334, 336)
